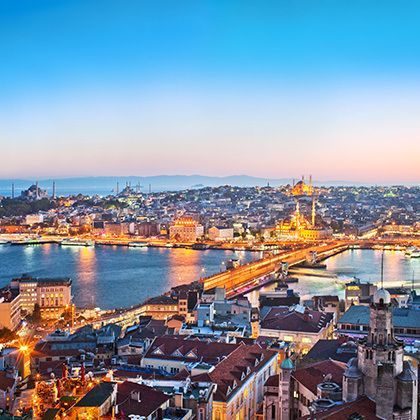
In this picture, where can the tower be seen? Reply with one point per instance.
(286, 369)
(53, 190)
(297, 214)
(380, 346)
(37, 190)
(255, 323)
(313, 211)
(379, 371)
(13, 190)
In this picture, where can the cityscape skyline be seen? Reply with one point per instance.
(143, 89)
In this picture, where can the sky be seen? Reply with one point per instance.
(265, 88)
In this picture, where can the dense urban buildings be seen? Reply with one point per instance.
(205, 350)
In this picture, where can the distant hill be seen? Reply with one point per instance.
(104, 185)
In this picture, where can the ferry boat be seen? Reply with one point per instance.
(137, 245)
(77, 242)
(412, 252)
(200, 246)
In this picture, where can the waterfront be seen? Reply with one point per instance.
(110, 276)
(364, 264)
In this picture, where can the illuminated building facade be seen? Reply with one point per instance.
(186, 229)
(53, 296)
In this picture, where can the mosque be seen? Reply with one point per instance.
(297, 227)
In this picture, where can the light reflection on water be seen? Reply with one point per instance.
(120, 276)
(111, 277)
(364, 264)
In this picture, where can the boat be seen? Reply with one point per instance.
(412, 252)
(308, 264)
(4, 242)
(415, 253)
(290, 279)
(200, 246)
(169, 245)
(77, 242)
(137, 245)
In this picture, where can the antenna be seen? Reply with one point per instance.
(382, 270)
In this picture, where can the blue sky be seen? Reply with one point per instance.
(152, 87)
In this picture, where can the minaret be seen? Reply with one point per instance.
(313, 211)
(37, 190)
(311, 190)
(53, 190)
(297, 214)
(118, 187)
(284, 397)
(13, 190)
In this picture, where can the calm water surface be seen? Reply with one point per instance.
(112, 277)
(364, 264)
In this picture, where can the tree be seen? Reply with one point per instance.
(36, 314)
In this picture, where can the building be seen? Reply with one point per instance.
(220, 233)
(301, 188)
(8, 383)
(97, 403)
(9, 308)
(164, 307)
(33, 219)
(52, 295)
(297, 324)
(358, 293)
(140, 400)
(379, 371)
(195, 396)
(355, 323)
(34, 192)
(240, 377)
(185, 229)
(174, 354)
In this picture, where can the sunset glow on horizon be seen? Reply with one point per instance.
(259, 89)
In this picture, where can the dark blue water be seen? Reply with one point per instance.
(111, 277)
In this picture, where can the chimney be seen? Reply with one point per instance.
(136, 396)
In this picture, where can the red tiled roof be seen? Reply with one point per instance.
(236, 368)
(362, 407)
(148, 402)
(283, 319)
(178, 347)
(312, 375)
